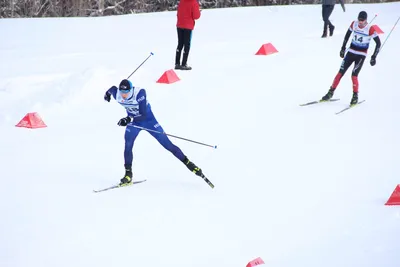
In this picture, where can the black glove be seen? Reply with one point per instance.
(342, 52)
(124, 121)
(107, 96)
(373, 61)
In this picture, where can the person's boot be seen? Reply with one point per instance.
(331, 29)
(325, 31)
(178, 59)
(185, 67)
(184, 61)
(128, 176)
(192, 167)
(328, 95)
(354, 99)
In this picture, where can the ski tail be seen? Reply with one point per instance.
(319, 101)
(118, 186)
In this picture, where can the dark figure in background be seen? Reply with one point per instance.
(188, 12)
(327, 9)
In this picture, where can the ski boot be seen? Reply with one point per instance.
(192, 167)
(186, 67)
(354, 99)
(178, 67)
(328, 95)
(127, 178)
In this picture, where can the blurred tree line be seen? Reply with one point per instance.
(86, 8)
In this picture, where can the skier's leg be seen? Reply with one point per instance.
(167, 144)
(359, 61)
(130, 136)
(347, 61)
(164, 140)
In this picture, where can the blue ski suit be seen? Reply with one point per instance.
(139, 110)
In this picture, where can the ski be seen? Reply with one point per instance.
(118, 186)
(319, 101)
(207, 181)
(141, 181)
(349, 107)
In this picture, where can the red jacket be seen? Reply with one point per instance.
(188, 12)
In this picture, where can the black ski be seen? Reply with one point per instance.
(349, 107)
(319, 101)
(118, 186)
(207, 181)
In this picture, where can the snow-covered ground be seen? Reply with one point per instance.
(296, 186)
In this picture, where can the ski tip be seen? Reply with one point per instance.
(139, 181)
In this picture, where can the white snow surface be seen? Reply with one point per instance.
(296, 186)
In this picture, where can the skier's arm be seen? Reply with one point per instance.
(141, 99)
(346, 38)
(375, 36)
(377, 46)
(112, 91)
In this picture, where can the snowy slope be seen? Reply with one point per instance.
(297, 186)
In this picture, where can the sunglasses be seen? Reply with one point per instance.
(124, 89)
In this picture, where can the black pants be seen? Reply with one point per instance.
(184, 38)
(348, 60)
(326, 13)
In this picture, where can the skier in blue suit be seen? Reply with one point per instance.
(134, 100)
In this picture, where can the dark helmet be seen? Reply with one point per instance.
(125, 85)
(362, 16)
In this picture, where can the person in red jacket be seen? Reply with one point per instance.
(188, 12)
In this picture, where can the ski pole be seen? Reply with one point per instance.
(389, 34)
(154, 131)
(151, 53)
(373, 19)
